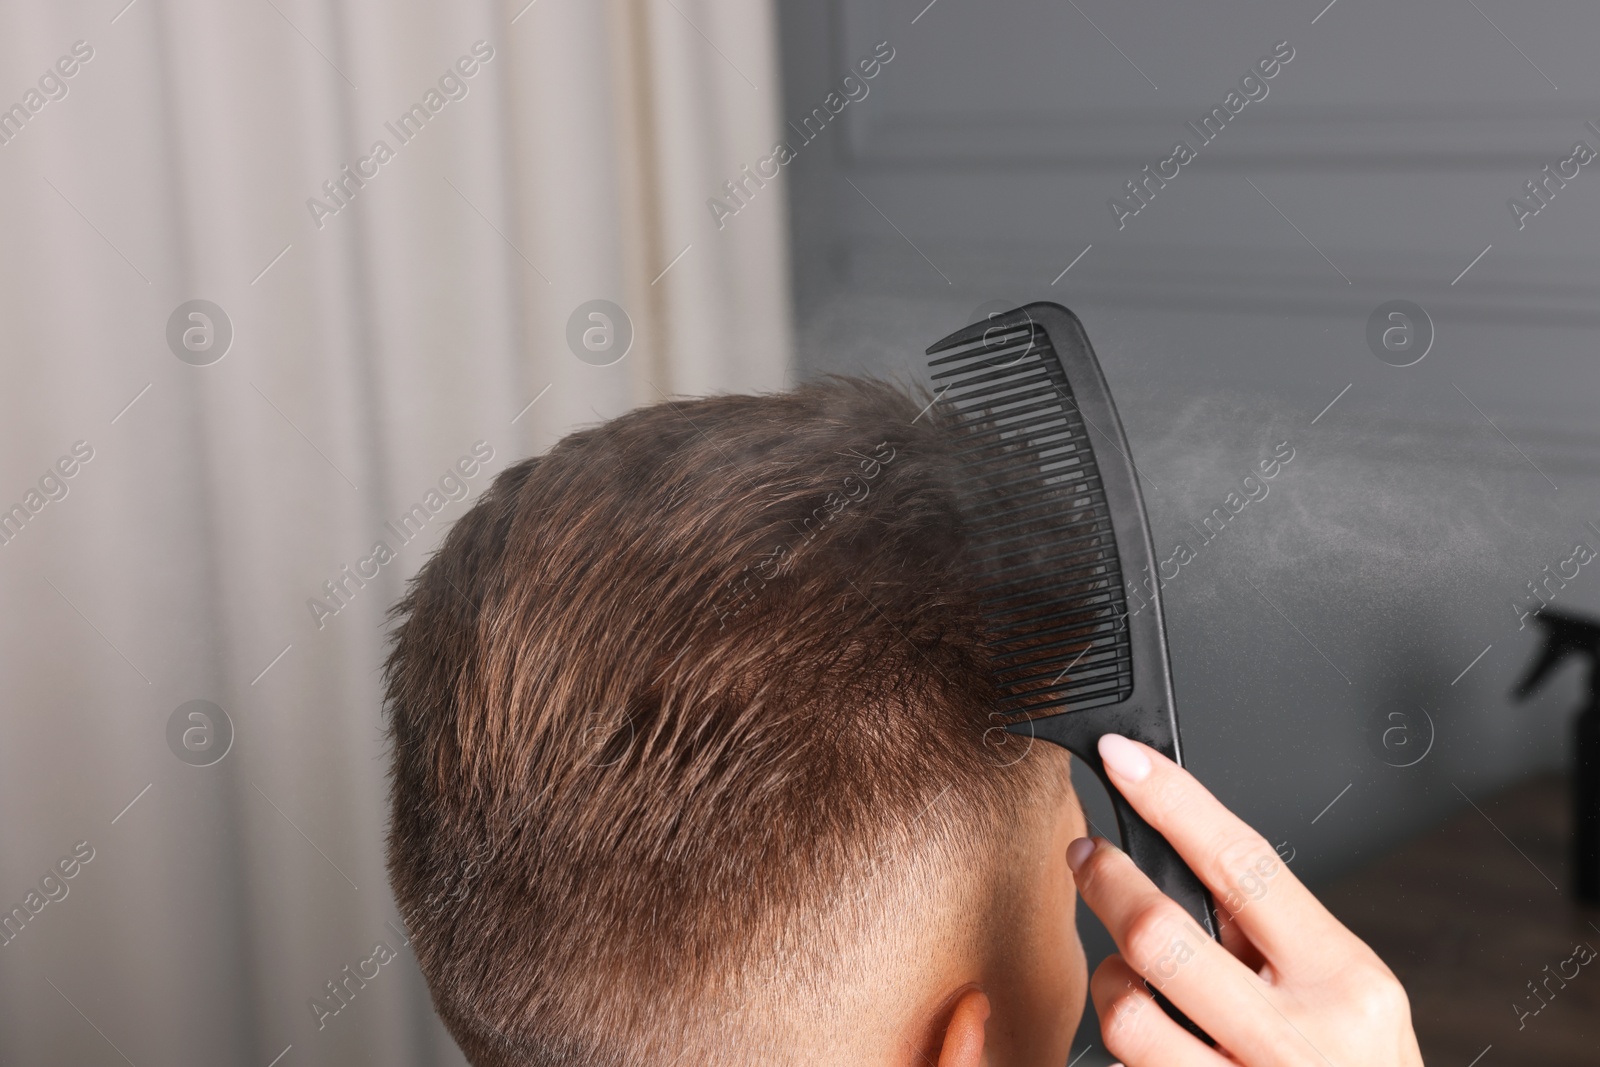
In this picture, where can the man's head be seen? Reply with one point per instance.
(694, 758)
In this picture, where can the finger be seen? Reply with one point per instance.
(1135, 1028)
(1165, 946)
(1274, 909)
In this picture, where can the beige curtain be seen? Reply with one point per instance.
(399, 324)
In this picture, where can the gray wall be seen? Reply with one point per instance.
(1389, 552)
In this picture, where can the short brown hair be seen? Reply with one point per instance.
(667, 691)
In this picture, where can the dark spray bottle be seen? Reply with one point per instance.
(1572, 635)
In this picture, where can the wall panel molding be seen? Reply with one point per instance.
(1451, 137)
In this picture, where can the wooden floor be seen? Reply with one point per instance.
(1467, 923)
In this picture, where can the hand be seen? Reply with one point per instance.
(1288, 986)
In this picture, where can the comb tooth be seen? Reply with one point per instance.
(1001, 404)
(976, 331)
(1032, 361)
(1027, 379)
(1087, 525)
(1046, 683)
(1096, 563)
(1085, 626)
(1080, 673)
(1038, 426)
(1024, 359)
(1064, 467)
(1046, 463)
(1014, 364)
(1012, 440)
(1019, 360)
(1087, 508)
(1052, 697)
(1091, 582)
(1024, 382)
(1050, 683)
(1087, 642)
(1093, 546)
(1020, 578)
(1028, 568)
(1004, 357)
(1066, 656)
(1074, 497)
(1103, 682)
(1057, 445)
(1088, 551)
(1104, 611)
(1095, 591)
(1078, 504)
(1089, 515)
(1057, 437)
(1074, 505)
(1039, 710)
(1017, 600)
(964, 343)
(1065, 470)
(1005, 439)
(1026, 478)
(1106, 607)
(1073, 482)
(1102, 630)
(1093, 607)
(1004, 442)
(1110, 688)
(1101, 582)
(1013, 389)
(1094, 644)
(1069, 702)
(1050, 464)
(1012, 369)
(1041, 420)
(1091, 542)
(1094, 554)
(993, 541)
(1077, 624)
(1005, 337)
(1041, 413)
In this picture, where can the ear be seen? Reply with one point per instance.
(963, 1044)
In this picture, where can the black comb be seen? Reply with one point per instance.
(1051, 498)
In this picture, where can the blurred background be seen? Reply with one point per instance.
(244, 345)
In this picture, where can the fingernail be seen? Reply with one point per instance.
(1123, 758)
(1079, 851)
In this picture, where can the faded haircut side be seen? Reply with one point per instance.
(664, 702)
